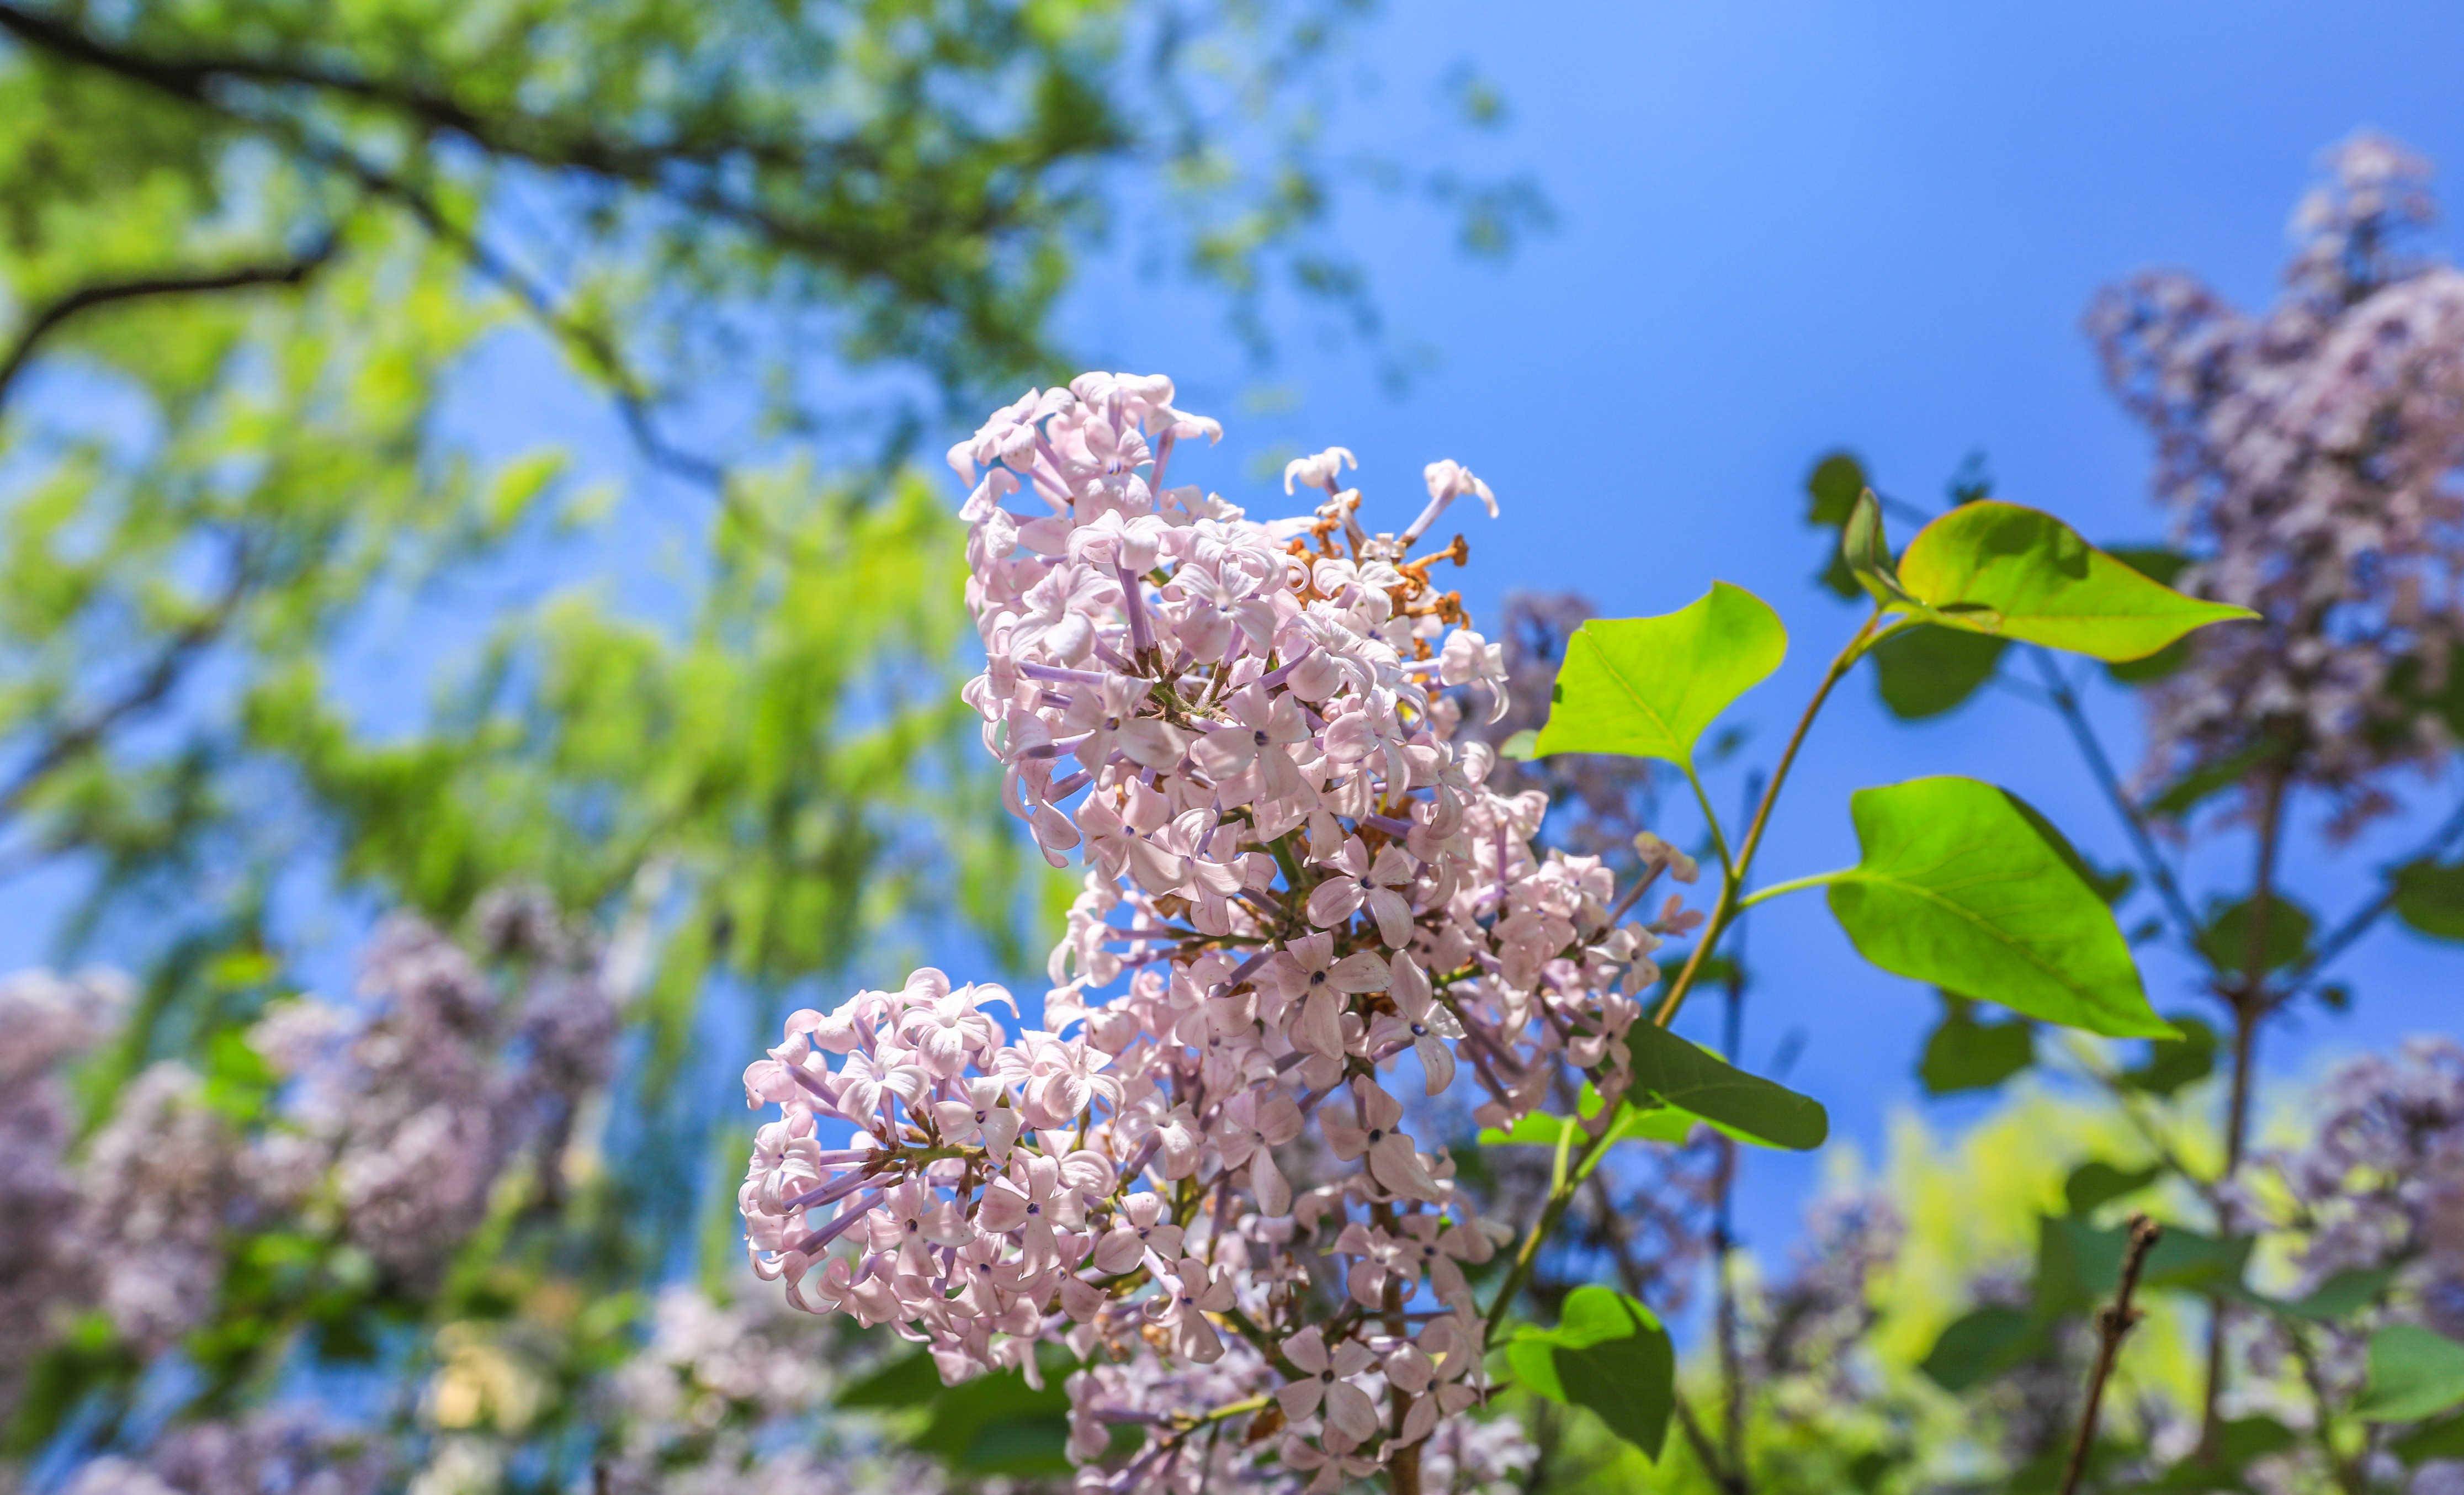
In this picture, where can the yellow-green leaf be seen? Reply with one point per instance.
(1648, 687)
(2019, 573)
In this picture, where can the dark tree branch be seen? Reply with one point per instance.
(2112, 1324)
(537, 141)
(106, 293)
(147, 691)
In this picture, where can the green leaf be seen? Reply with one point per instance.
(1648, 687)
(1866, 551)
(997, 1424)
(2340, 1297)
(1963, 886)
(1995, 567)
(2226, 940)
(2093, 1183)
(1831, 490)
(2174, 1064)
(1520, 745)
(2414, 1373)
(2163, 567)
(2442, 1439)
(1677, 1073)
(1927, 671)
(1980, 1344)
(907, 1381)
(1634, 1123)
(1963, 1054)
(2430, 899)
(1608, 1353)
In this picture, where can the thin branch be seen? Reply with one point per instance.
(1723, 1235)
(555, 144)
(2247, 999)
(1732, 888)
(149, 689)
(2360, 922)
(596, 350)
(2160, 872)
(2112, 1325)
(86, 297)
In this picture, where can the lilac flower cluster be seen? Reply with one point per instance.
(2310, 458)
(397, 1121)
(287, 1450)
(1299, 876)
(406, 1114)
(725, 1398)
(2379, 1186)
(159, 1186)
(45, 1021)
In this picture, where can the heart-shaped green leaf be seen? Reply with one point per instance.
(1676, 1073)
(1609, 1353)
(1648, 687)
(2414, 1373)
(2018, 573)
(1963, 886)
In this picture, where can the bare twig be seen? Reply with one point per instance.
(2112, 1324)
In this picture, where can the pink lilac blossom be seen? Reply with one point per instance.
(278, 1451)
(405, 1117)
(46, 1021)
(159, 1186)
(1304, 901)
(2378, 1186)
(2310, 458)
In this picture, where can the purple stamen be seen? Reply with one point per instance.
(846, 1220)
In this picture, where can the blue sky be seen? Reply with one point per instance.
(1780, 227)
(1786, 227)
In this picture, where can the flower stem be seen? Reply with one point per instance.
(1724, 912)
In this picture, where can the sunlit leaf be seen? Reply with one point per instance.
(2018, 573)
(1648, 687)
(1963, 886)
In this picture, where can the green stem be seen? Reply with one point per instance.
(1793, 885)
(1724, 912)
(1719, 837)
